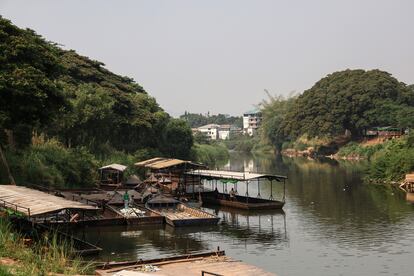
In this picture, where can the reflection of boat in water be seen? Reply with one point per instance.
(241, 202)
(179, 214)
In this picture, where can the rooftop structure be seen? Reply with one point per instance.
(210, 130)
(33, 203)
(111, 175)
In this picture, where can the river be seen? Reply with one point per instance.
(332, 224)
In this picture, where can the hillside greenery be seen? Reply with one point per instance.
(85, 113)
(349, 101)
(196, 120)
(336, 111)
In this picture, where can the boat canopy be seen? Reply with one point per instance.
(231, 176)
(160, 163)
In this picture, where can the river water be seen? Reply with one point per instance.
(332, 224)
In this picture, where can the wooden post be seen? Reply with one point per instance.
(7, 167)
(247, 191)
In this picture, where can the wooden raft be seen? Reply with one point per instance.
(33, 202)
(189, 266)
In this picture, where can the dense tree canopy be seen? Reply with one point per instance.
(61, 94)
(352, 100)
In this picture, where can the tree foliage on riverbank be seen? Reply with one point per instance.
(393, 160)
(211, 154)
(89, 111)
(350, 100)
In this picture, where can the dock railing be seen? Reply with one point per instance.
(11, 206)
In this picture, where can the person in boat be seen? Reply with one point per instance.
(232, 194)
(126, 200)
(216, 192)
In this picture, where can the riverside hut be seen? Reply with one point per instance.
(171, 172)
(111, 176)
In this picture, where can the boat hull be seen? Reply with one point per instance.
(241, 202)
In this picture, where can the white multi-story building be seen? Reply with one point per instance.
(251, 122)
(224, 132)
(210, 130)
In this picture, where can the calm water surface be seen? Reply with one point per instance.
(332, 224)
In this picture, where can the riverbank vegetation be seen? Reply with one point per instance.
(393, 160)
(20, 256)
(337, 111)
(210, 154)
(84, 114)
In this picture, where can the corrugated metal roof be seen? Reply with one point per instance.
(117, 167)
(36, 201)
(162, 163)
(242, 176)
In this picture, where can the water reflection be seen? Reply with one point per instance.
(332, 224)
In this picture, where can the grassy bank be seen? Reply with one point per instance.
(45, 257)
(210, 154)
(355, 150)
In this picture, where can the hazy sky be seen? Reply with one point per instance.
(219, 56)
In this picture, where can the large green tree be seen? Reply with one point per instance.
(30, 94)
(78, 101)
(352, 100)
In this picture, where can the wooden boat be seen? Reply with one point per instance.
(241, 202)
(178, 214)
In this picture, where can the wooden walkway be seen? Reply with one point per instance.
(33, 202)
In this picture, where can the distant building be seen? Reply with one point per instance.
(224, 132)
(210, 130)
(251, 121)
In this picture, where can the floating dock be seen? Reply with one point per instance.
(212, 263)
(178, 214)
